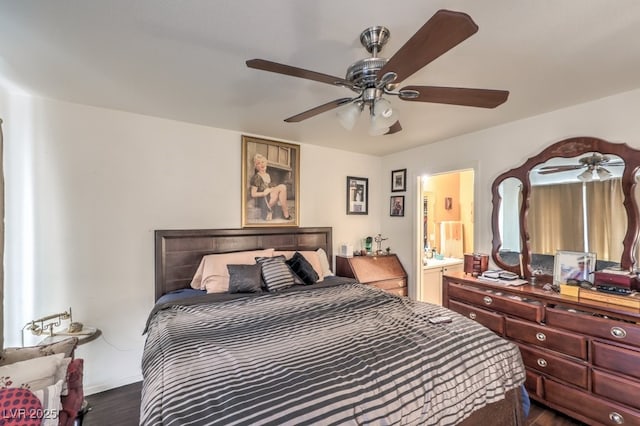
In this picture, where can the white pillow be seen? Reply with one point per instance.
(33, 374)
(51, 403)
(324, 263)
(61, 374)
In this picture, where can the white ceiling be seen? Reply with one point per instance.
(185, 60)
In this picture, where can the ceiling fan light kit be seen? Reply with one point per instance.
(603, 173)
(586, 176)
(371, 78)
(348, 114)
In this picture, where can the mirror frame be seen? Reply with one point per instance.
(567, 148)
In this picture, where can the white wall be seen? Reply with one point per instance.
(86, 188)
(493, 151)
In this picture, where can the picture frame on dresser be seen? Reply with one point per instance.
(573, 265)
(357, 195)
(399, 180)
(270, 183)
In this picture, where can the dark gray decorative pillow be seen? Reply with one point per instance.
(245, 278)
(303, 268)
(276, 273)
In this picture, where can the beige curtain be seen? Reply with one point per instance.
(554, 220)
(606, 218)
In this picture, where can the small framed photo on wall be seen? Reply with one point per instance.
(399, 180)
(397, 205)
(357, 195)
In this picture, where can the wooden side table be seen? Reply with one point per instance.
(382, 271)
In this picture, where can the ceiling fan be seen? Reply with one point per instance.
(373, 77)
(593, 163)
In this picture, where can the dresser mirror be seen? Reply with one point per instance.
(510, 193)
(578, 194)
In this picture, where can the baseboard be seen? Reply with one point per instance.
(101, 387)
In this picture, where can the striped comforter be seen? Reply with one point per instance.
(346, 354)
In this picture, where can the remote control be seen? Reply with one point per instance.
(439, 320)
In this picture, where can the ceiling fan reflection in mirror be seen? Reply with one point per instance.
(593, 165)
(373, 77)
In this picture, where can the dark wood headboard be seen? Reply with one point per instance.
(178, 252)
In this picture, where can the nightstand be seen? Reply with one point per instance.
(382, 271)
(86, 335)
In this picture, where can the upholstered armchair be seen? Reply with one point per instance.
(52, 375)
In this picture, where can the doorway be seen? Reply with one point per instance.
(445, 229)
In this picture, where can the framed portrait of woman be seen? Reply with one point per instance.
(270, 183)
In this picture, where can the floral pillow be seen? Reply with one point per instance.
(13, 355)
(33, 374)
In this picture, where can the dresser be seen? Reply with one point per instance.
(383, 271)
(582, 357)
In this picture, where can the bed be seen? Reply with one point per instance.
(331, 352)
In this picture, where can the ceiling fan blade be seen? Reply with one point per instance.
(483, 98)
(318, 110)
(264, 65)
(395, 128)
(445, 30)
(555, 169)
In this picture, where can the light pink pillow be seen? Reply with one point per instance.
(311, 256)
(212, 274)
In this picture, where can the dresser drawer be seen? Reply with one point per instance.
(601, 411)
(392, 284)
(621, 360)
(569, 371)
(533, 383)
(489, 319)
(397, 291)
(546, 337)
(498, 301)
(615, 387)
(618, 331)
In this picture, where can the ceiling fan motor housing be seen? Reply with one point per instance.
(364, 73)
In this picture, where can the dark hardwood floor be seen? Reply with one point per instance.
(121, 406)
(539, 415)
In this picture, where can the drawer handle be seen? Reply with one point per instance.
(472, 315)
(487, 300)
(541, 337)
(616, 418)
(542, 362)
(618, 332)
